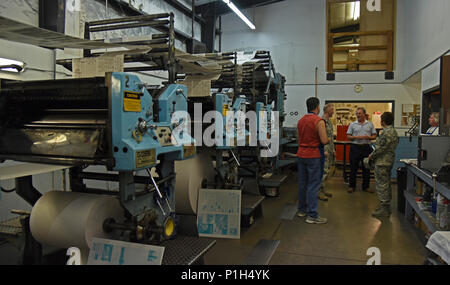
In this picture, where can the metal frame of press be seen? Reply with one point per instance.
(164, 43)
(117, 123)
(161, 22)
(130, 129)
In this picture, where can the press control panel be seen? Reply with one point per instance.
(164, 136)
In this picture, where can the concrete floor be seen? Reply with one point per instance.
(350, 232)
(343, 241)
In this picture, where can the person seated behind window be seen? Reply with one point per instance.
(433, 120)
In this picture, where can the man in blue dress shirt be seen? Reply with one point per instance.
(360, 133)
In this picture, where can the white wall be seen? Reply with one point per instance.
(21, 10)
(423, 33)
(400, 93)
(294, 30)
(431, 75)
(295, 33)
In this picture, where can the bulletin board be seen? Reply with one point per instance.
(409, 111)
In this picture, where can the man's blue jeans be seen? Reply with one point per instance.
(309, 179)
(322, 160)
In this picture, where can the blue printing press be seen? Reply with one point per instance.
(115, 121)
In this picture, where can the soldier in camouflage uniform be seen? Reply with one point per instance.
(382, 159)
(328, 112)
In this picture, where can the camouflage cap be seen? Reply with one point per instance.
(369, 164)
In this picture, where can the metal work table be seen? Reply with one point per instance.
(344, 143)
(413, 172)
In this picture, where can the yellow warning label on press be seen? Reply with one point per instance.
(145, 158)
(225, 110)
(131, 101)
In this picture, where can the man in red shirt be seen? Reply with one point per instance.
(311, 133)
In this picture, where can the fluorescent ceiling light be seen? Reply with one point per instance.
(11, 65)
(239, 13)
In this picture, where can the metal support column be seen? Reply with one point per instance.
(193, 21)
(52, 15)
(126, 187)
(220, 34)
(25, 189)
(209, 31)
(76, 181)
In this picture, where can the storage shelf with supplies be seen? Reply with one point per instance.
(413, 172)
(427, 177)
(426, 216)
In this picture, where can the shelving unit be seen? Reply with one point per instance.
(410, 195)
(426, 216)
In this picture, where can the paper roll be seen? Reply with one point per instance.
(69, 219)
(190, 174)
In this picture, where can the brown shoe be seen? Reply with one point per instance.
(351, 190)
(369, 190)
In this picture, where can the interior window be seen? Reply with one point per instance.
(359, 39)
